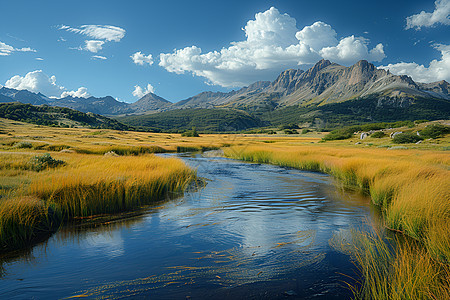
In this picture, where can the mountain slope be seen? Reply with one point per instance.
(149, 102)
(324, 83)
(103, 106)
(57, 116)
(202, 119)
(24, 96)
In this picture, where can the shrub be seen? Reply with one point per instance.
(190, 133)
(290, 131)
(44, 161)
(339, 134)
(289, 126)
(23, 145)
(407, 137)
(305, 130)
(378, 134)
(435, 131)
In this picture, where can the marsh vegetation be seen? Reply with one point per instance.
(49, 176)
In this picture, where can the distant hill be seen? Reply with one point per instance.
(202, 119)
(149, 102)
(23, 96)
(358, 111)
(104, 106)
(57, 116)
(107, 106)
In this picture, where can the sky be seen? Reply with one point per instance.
(177, 49)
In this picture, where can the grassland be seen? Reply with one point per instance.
(410, 183)
(412, 189)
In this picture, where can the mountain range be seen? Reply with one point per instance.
(324, 83)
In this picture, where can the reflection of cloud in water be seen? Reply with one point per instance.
(109, 243)
(228, 268)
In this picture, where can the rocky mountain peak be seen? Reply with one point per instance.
(286, 80)
(312, 72)
(150, 102)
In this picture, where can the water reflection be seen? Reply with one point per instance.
(253, 228)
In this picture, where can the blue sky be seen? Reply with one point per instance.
(180, 48)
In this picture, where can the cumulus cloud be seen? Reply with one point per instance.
(98, 32)
(140, 59)
(93, 45)
(319, 35)
(352, 48)
(273, 43)
(82, 92)
(436, 71)
(6, 49)
(39, 82)
(140, 92)
(439, 16)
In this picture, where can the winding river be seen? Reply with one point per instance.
(254, 232)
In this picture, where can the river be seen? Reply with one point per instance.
(253, 232)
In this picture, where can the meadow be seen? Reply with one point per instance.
(91, 172)
(411, 187)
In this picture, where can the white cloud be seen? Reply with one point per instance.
(39, 58)
(140, 58)
(140, 92)
(318, 36)
(93, 45)
(99, 32)
(424, 19)
(273, 43)
(99, 57)
(351, 49)
(82, 92)
(436, 71)
(6, 49)
(39, 82)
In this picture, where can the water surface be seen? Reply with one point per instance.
(254, 232)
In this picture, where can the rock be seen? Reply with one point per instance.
(66, 151)
(419, 142)
(393, 134)
(111, 153)
(363, 135)
(358, 143)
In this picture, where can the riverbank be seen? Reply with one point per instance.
(411, 187)
(39, 197)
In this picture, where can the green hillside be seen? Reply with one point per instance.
(205, 120)
(57, 116)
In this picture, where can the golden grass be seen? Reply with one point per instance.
(411, 187)
(22, 220)
(92, 185)
(403, 272)
(33, 203)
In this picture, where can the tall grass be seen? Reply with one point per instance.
(412, 189)
(401, 270)
(86, 185)
(24, 220)
(111, 184)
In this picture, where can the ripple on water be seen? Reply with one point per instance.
(254, 230)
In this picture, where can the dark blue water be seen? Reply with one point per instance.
(254, 232)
